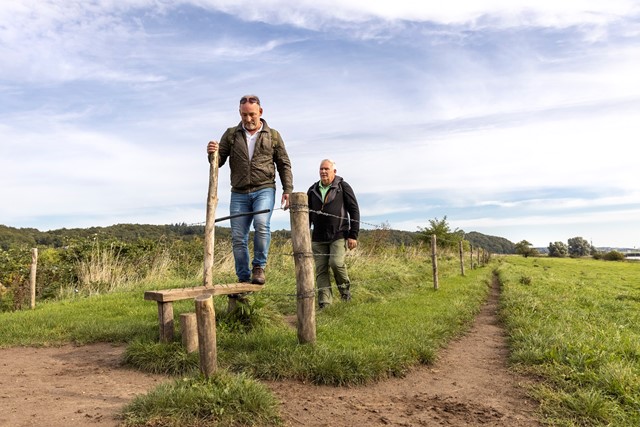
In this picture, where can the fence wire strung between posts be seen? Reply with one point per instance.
(475, 259)
(359, 283)
(301, 207)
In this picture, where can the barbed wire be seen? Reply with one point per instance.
(306, 208)
(381, 227)
(317, 290)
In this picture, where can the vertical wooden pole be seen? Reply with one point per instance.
(206, 319)
(189, 329)
(434, 261)
(478, 256)
(461, 258)
(209, 228)
(471, 256)
(32, 276)
(303, 258)
(165, 318)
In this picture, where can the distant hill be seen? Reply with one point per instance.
(493, 244)
(31, 237)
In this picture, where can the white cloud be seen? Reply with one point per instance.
(547, 13)
(469, 109)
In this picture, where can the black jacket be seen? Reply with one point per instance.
(343, 219)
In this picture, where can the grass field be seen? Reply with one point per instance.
(395, 321)
(572, 324)
(575, 325)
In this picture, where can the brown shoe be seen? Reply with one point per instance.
(257, 276)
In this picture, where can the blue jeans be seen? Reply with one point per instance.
(251, 202)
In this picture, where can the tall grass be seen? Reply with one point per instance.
(575, 324)
(103, 271)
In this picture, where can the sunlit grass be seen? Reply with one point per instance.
(222, 400)
(395, 321)
(576, 325)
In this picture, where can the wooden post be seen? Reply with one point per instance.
(32, 276)
(303, 258)
(478, 256)
(165, 318)
(189, 328)
(206, 319)
(461, 258)
(434, 261)
(209, 228)
(471, 256)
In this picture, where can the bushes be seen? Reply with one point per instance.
(89, 266)
(609, 256)
(613, 256)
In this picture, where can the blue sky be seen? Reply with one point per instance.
(511, 118)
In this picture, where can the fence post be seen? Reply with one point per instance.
(434, 261)
(303, 258)
(471, 256)
(32, 276)
(461, 258)
(209, 228)
(189, 328)
(206, 319)
(165, 318)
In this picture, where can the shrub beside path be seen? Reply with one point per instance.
(469, 385)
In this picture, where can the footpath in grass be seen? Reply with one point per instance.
(396, 320)
(390, 326)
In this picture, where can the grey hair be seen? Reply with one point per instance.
(330, 161)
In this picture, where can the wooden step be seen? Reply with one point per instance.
(177, 294)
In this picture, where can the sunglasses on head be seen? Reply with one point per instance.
(250, 99)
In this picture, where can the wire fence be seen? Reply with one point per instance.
(482, 256)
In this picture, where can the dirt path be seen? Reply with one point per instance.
(67, 386)
(468, 386)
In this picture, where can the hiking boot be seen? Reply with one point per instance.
(346, 297)
(257, 275)
(323, 305)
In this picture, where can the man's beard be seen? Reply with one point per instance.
(251, 125)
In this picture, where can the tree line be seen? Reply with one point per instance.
(575, 247)
(11, 237)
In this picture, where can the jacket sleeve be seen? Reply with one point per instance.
(225, 147)
(310, 205)
(281, 159)
(351, 205)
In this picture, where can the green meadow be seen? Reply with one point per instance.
(572, 327)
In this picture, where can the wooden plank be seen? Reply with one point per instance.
(167, 295)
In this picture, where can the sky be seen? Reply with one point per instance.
(514, 119)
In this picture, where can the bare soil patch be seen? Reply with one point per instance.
(469, 385)
(67, 386)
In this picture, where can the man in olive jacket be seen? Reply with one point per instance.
(335, 217)
(255, 151)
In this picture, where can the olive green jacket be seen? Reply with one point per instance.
(249, 175)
